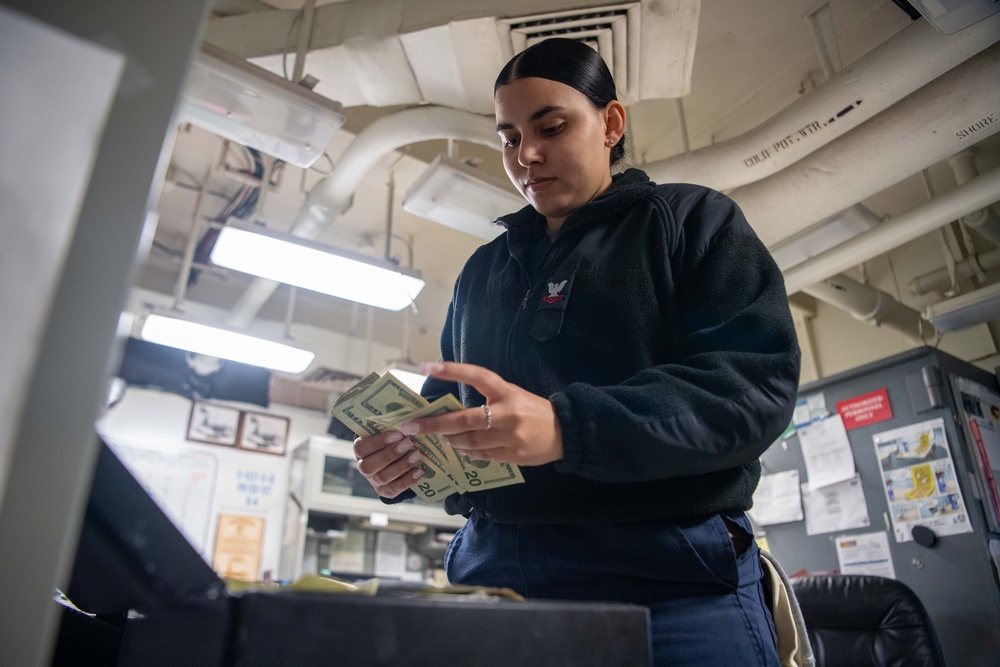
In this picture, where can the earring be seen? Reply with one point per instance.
(610, 142)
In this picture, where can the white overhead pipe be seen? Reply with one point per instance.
(985, 220)
(969, 267)
(333, 195)
(980, 191)
(906, 62)
(864, 302)
(873, 306)
(953, 112)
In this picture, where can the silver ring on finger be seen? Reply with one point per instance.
(489, 416)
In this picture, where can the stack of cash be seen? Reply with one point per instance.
(381, 403)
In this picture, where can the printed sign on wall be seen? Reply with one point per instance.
(867, 409)
(239, 541)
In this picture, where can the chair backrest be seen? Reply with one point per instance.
(860, 620)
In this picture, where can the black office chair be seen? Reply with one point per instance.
(859, 620)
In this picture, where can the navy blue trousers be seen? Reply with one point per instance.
(707, 605)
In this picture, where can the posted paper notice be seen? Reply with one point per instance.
(867, 553)
(777, 499)
(839, 506)
(827, 452)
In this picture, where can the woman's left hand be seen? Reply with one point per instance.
(523, 427)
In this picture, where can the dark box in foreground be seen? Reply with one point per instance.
(303, 629)
(131, 557)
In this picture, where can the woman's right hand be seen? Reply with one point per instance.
(389, 461)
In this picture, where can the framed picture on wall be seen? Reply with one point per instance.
(261, 432)
(213, 423)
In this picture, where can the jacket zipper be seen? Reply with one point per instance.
(542, 272)
(513, 328)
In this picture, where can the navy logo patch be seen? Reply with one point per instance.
(554, 292)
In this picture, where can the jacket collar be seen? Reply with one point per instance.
(625, 189)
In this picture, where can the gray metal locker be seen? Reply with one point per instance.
(955, 578)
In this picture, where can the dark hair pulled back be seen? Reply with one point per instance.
(569, 62)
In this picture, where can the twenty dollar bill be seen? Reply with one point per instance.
(381, 403)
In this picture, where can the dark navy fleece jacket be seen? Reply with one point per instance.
(657, 324)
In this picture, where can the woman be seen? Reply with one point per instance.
(630, 346)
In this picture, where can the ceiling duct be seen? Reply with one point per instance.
(605, 29)
(622, 34)
(398, 59)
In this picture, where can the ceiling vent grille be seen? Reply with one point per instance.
(612, 31)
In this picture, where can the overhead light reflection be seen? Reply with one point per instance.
(309, 265)
(224, 344)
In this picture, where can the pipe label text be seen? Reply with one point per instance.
(789, 140)
(975, 127)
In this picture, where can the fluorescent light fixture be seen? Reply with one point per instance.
(411, 378)
(452, 193)
(251, 106)
(224, 344)
(822, 236)
(966, 310)
(312, 266)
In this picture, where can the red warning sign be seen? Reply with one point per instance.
(867, 409)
